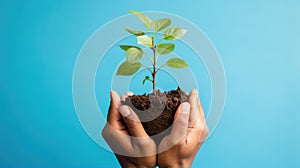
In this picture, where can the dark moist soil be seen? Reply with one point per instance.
(156, 112)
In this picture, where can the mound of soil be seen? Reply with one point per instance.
(156, 112)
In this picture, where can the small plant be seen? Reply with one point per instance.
(147, 39)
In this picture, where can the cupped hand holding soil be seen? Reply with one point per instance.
(179, 148)
(156, 111)
(122, 127)
(132, 145)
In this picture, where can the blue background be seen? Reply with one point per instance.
(258, 42)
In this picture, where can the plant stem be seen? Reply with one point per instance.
(154, 66)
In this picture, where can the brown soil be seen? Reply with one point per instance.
(157, 111)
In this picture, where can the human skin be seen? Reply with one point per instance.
(178, 149)
(188, 134)
(120, 132)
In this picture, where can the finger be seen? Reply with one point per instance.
(204, 133)
(127, 145)
(194, 112)
(117, 141)
(115, 99)
(198, 134)
(114, 116)
(123, 97)
(201, 115)
(133, 122)
(193, 136)
(202, 123)
(129, 93)
(180, 124)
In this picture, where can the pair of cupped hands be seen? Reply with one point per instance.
(133, 147)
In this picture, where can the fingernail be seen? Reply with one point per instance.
(185, 108)
(124, 111)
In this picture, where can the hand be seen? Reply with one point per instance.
(126, 136)
(189, 131)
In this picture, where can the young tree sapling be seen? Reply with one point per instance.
(147, 39)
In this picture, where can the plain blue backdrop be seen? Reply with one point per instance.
(259, 44)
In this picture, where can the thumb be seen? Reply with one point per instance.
(181, 123)
(133, 122)
(113, 116)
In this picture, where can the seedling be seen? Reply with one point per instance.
(147, 39)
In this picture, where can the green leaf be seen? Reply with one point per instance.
(147, 78)
(144, 40)
(133, 55)
(174, 33)
(126, 47)
(147, 21)
(165, 48)
(127, 69)
(135, 32)
(176, 63)
(159, 25)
